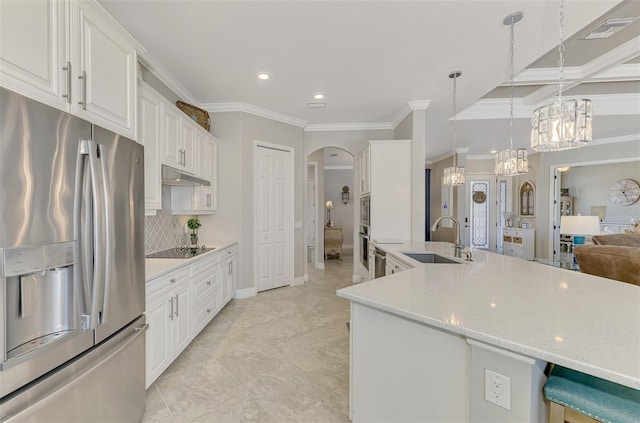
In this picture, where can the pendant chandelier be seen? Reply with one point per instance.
(512, 161)
(564, 124)
(454, 175)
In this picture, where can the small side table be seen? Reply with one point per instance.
(332, 242)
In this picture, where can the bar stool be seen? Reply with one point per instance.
(580, 398)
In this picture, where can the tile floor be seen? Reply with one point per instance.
(281, 356)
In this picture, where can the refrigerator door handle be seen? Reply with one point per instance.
(108, 228)
(83, 268)
(94, 295)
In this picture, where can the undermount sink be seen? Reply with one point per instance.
(431, 258)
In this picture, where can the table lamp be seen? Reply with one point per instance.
(329, 205)
(579, 227)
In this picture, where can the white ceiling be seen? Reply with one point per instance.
(372, 58)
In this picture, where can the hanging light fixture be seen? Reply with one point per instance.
(512, 161)
(564, 124)
(454, 175)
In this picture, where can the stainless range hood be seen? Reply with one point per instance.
(175, 177)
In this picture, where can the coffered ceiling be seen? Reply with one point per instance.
(371, 59)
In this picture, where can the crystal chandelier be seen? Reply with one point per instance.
(512, 161)
(564, 124)
(454, 175)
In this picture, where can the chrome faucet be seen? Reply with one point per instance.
(458, 245)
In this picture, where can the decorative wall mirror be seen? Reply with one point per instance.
(527, 199)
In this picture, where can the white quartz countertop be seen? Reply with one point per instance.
(155, 267)
(584, 322)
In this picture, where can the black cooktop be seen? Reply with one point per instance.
(181, 252)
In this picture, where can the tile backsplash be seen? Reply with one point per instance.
(164, 230)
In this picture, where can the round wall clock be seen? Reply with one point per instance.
(624, 192)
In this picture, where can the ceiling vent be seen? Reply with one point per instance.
(317, 105)
(608, 28)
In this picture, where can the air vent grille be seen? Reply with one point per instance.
(608, 28)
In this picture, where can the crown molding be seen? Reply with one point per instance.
(603, 105)
(438, 158)
(253, 110)
(481, 157)
(163, 75)
(336, 167)
(615, 140)
(362, 126)
(462, 150)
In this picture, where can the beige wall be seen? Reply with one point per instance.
(237, 133)
(404, 130)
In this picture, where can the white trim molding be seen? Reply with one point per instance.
(253, 110)
(356, 126)
(419, 104)
(345, 167)
(298, 281)
(245, 293)
(165, 77)
(603, 105)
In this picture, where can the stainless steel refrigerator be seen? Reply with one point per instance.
(71, 267)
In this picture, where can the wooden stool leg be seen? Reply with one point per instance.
(556, 413)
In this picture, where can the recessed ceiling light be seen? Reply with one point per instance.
(493, 151)
(318, 96)
(264, 76)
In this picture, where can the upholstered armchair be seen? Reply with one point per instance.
(627, 240)
(619, 262)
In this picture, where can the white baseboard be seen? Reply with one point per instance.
(298, 281)
(245, 293)
(320, 266)
(306, 277)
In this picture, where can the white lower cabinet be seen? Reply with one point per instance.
(228, 273)
(519, 243)
(181, 303)
(168, 315)
(394, 266)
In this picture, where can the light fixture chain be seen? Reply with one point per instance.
(561, 52)
(511, 89)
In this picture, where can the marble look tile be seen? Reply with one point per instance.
(332, 409)
(195, 385)
(231, 407)
(192, 355)
(156, 411)
(285, 391)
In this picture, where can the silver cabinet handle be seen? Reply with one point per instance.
(208, 200)
(68, 94)
(208, 282)
(171, 315)
(172, 280)
(84, 90)
(177, 303)
(208, 310)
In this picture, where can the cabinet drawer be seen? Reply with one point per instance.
(204, 264)
(506, 238)
(204, 312)
(517, 240)
(204, 284)
(223, 254)
(164, 283)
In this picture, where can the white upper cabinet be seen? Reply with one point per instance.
(150, 135)
(73, 56)
(105, 70)
(172, 144)
(205, 198)
(34, 50)
(189, 143)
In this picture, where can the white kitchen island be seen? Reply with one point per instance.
(421, 339)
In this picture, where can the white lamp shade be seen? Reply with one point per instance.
(580, 225)
(329, 205)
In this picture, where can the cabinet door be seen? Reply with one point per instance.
(182, 317)
(158, 346)
(34, 50)
(189, 146)
(172, 145)
(202, 195)
(105, 70)
(150, 136)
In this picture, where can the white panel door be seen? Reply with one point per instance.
(33, 50)
(274, 220)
